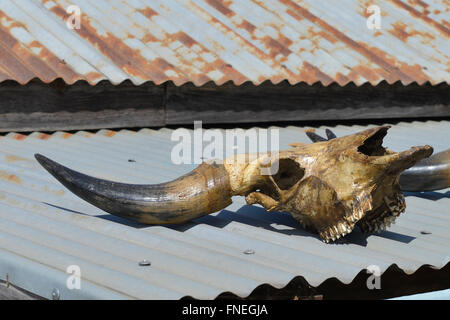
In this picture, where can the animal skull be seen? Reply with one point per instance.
(328, 186)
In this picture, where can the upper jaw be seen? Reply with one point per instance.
(385, 214)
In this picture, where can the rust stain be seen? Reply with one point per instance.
(148, 12)
(185, 39)
(275, 47)
(149, 38)
(231, 73)
(60, 67)
(187, 60)
(285, 41)
(58, 193)
(327, 36)
(294, 14)
(364, 71)
(10, 177)
(247, 26)
(8, 22)
(422, 16)
(341, 79)
(67, 135)
(4, 75)
(421, 3)
(360, 47)
(93, 77)
(313, 74)
(19, 136)
(221, 7)
(399, 31)
(364, 12)
(414, 71)
(13, 158)
(129, 60)
(12, 64)
(110, 133)
(200, 63)
(25, 57)
(377, 33)
(43, 136)
(43, 65)
(190, 59)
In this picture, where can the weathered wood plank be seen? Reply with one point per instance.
(57, 106)
(283, 102)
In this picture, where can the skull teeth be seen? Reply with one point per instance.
(336, 232)
(379, 225)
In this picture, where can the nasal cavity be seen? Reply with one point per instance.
(372, 146)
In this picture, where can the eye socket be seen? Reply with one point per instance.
(372, 146)
(289, 173)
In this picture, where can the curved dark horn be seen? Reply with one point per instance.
(330, 134)
(429, 174)
(314, 137)
(204, 190)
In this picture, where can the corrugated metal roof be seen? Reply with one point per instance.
(435, 295)
(213, 40)
(44, 228)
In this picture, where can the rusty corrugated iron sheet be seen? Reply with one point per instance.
(212, 40)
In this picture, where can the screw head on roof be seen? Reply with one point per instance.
(249, 251)
(144, 263)
(55, 294)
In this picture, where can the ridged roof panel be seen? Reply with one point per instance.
(44, 228)
(211, 40)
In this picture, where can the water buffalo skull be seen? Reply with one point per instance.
(328, 186)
